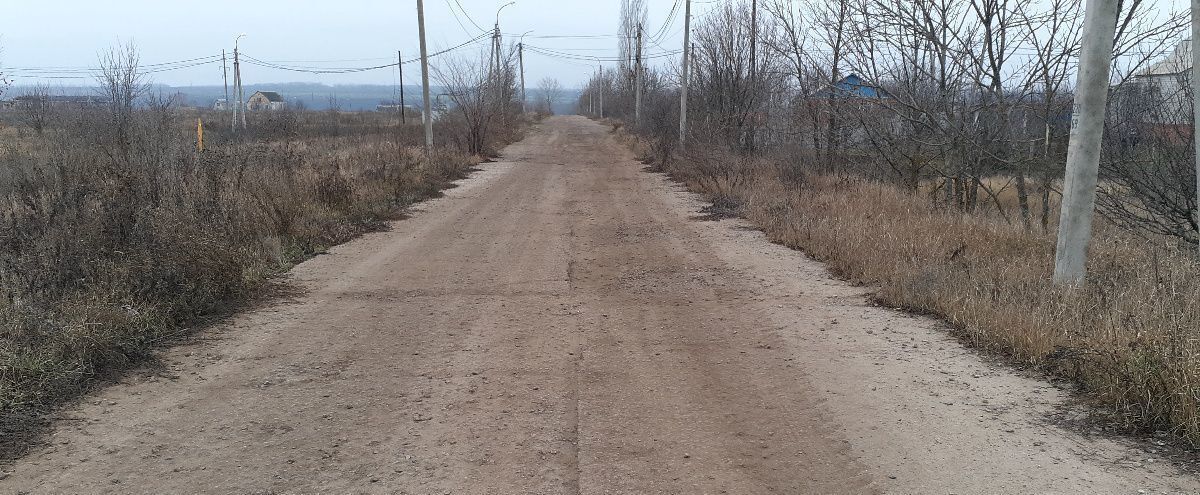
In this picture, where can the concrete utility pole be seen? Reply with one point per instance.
(428, 111)
(1196, 96)
(1083, 151)
(600, 81)
(683, 89)
(400, 67)
(225, 76)
(637, 80)
(496, 49)
(240, 109)
(496, 55)
(521, 60)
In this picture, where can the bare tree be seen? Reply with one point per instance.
(970, 97)
(551, 90)
(620, 101)
(484, 98)
(121, 84)
(4, 82)
(726, 96)
(34, 107)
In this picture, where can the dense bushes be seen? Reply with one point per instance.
(110, 245)
(1127, 337)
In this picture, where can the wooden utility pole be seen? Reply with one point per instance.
(753, 44)
(683, 88)
(1083, 151)
(751, 128)
(637, 80)
(400, 67)
(521, 59)
(428, 111)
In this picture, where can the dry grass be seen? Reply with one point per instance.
(108, 253)
(1129, 338)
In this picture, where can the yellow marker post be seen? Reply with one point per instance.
(199, 135)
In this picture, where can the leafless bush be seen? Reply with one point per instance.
(914, 145)
(116, 232)
(35, 107)
(483, 96)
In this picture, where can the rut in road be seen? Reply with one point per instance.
(558, 324)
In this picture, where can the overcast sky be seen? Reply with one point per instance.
(342, 33)
(58, 33)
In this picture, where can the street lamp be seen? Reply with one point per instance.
(502, 8)
(495, 75)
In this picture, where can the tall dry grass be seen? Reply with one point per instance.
(109, 249)
(1130, 337)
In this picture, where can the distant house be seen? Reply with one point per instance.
(221, 105)
(1161, 91)
(266, 100)
(842, 103)
(852, 86)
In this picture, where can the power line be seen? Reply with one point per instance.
(156, 67)
(465, 13)
(459, 20)
(575, 56)
(349, 70)
(83, 72)
(569, 36)
(667, 24)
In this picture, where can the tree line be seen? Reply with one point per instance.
(965, 101)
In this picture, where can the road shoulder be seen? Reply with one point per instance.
(922, 412)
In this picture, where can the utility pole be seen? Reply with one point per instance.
(521, 58)
(753, 43)
(683, 89)
(240, 109)
(496, 55)
(750, 131)
(600, 81)
(1196, 95)
(400, 66)
(1083, 151)
(428, 111)
(229, 102)
(637, 80)
(225, 76)
(240, 92)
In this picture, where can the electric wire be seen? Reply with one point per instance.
(668, 23)
(575, 56)
(350, 70)
(465, 13)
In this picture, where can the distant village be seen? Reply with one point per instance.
(259, 101)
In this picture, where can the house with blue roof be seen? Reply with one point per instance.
(852, 86)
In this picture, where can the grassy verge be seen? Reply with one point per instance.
(113, 246)
(1130, 338)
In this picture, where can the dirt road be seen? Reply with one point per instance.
(560, 324)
